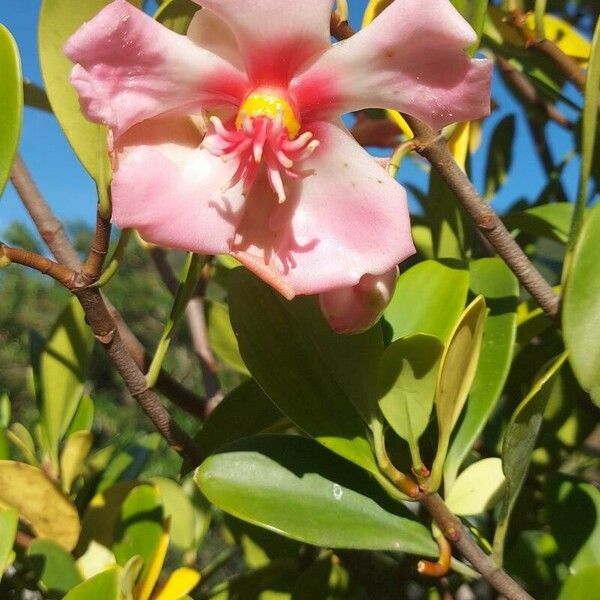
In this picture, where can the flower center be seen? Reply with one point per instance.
(265, 132)
(263, 103)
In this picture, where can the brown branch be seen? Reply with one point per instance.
(92, 268)
(452, 527)
(340, 30)
(50, 228)
(565, 64)
(434, 148)
(60, 273)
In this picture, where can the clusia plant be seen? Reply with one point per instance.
(445, 449)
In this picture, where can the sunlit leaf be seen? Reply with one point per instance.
(55, 568)
(551, 221)
(72, 458)
(579, 585)
(11, 103)
(478, 488)
(291, 485)
(9, 521)
(179, 583)
(222, 339)
(176, 14)
(39, 502)
(104, 586)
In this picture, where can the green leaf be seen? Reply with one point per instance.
(551, 221)
(573, 509)
(9, 521)
(104, 586)
(11, 103)
(499, 158)
(222, 339)
(72, 458)
(325, 578)
(407, 380)
(243, 412)
(61, 371)
(519, 442)
(455, 377)
(84, 416)
(491, 278)
(580, 585)
(40, 503)
(179, 508)
(299, 367)
(59, 19)
(54, 567)
(588, 141)
(20, 437)
(478, 488)
(140, 526)
(581, 308)
(429, 298)
(176, 14)
(291, 485)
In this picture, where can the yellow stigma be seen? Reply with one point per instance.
(267, 104)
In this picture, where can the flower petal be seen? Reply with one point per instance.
(275, 38)
(130, 68)
(210, 32)
(170, 190)
(409, 58)
(347, 219)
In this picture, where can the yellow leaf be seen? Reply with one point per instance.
(180, 582)
(397, 118)
(565, 36)
(145, 587)
(40, 503)
(373, 9)
(459, 143)
(73, 456)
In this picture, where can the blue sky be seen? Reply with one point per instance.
(72, 194)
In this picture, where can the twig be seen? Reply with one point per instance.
(92, 268)
(565, 64)
(452, 527)
(60, 273)
(434, 148)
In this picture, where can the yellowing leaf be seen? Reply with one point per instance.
(73, 456)
(565, 36)
(146, 586)
(178, 584)
(39, 502)
(459, 143)
(374, 8)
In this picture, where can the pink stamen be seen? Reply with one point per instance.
(261, 140)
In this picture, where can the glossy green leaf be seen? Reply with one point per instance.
(491, 278)
(291, 485)
(573, 513)
(40, 503)
(519, 442)
(140, 526)
(9, 521)
(581, 308)
(456, 374)
(551, 221)
(429, 298)
(104, 586)
(176, 14)
(478, 488)
(11, 103)
(499, 157)
(60, 372)
(580, 585)
(59, 19)
(589, 139)
(54, 567)
(285, 347)
(407, 379)
(243, 412)
(179, 508)
(222, 339)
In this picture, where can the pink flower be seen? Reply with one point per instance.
(277, 181)
(355, 309)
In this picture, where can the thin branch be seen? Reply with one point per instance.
(434, 148)
(60, 273)
(565, 64)
(92, 268)
(452, 527)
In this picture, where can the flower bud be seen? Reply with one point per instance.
(355, 309)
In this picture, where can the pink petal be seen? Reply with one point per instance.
(275, 37)
(409, 58)
(356, 309)
(130, 68)
(347, 219)
(210, 32)
(170, 190)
